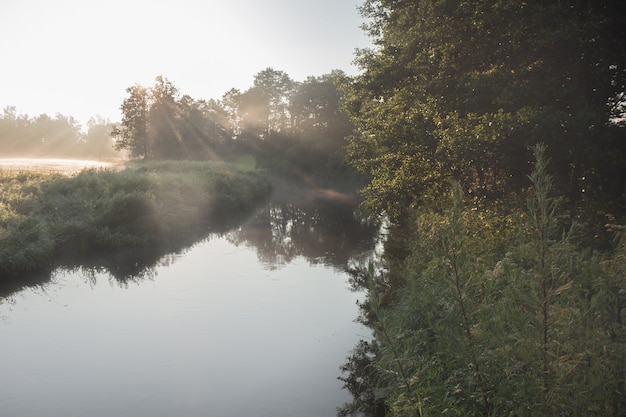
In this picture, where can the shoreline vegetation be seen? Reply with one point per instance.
(495, 158)
(494, 134)
(50, 220)
(494, 308)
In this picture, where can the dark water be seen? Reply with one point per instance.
(252, 322)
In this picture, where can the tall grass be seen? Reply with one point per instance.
(44, 218)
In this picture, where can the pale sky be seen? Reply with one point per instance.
(77, 57)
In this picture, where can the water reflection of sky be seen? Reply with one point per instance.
(210, 334)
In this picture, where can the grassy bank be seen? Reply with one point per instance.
(45, 218)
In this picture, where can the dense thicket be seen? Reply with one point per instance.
(499, 311)
(502, 298)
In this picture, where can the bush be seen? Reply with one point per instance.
(534, 327)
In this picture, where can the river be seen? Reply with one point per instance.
(252, 322)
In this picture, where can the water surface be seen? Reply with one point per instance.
(254, 322)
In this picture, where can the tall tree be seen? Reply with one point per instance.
(132, 135)
(458, 90)
(275, 88)
(254, 111)
(315, 105)
(163, 120)
(202, 127)
(318, 121)
(230, 104)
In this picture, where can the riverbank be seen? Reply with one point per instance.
(47, 218)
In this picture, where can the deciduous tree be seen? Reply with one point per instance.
(132, 135)
(459, 90)
(163, 120)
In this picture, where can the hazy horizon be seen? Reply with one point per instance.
(77, 58)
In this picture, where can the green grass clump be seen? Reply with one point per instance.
(25, 243)
(44, 218)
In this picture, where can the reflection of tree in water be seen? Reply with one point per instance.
(123, 267)
(322, 231)
(128, 267)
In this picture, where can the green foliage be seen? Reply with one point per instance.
(158, 123)
(360, 382)
(525, 323)
(289, 128)
(479, 311)
(46, 218)
(26, 247)
(60, 136)
(132, 135)
(459, 91)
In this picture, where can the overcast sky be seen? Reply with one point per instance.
(77, 57)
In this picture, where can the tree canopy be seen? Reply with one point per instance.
(159, 123)
(287, 126)
(458, 90)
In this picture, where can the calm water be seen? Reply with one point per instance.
(253, 323)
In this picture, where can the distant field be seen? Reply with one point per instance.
(47, 165)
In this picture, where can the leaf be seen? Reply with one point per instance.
(563, 287)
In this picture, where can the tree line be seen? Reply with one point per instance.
(278, 122)
(57, 137)
(282, 123)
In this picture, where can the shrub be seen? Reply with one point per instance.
(536, 329)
